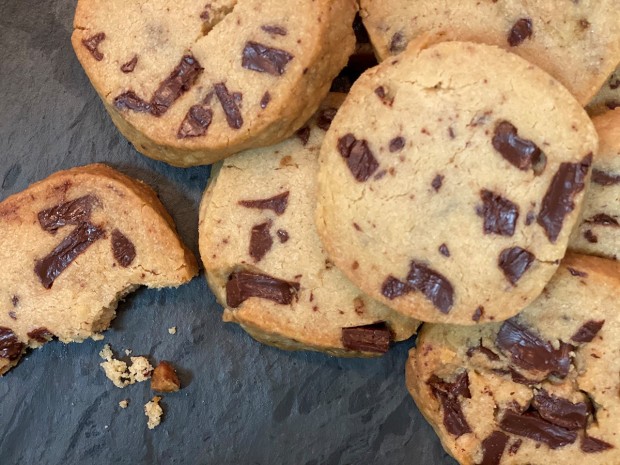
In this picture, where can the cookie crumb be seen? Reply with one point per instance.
(153, 411)
(123, 403)
(122, 375)
(128, 352)
(172, 330)
(97, 337)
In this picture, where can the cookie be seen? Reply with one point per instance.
(598, 229)
(540, 388)
(189, 83)
(608, 97)
(73, 245)
(577, 42)
(443, 191)
(265, 263)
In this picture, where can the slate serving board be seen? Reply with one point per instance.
(242, 402)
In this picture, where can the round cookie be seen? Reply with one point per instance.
(577, 42)
(73, 245)
(190, 84)
(265, 263)
(539, 389)
(608, 97)
(443, 190)
(598, 228)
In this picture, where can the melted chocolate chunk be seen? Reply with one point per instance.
(325, 118)
(437, 182)
(73, 212)
(196, 122)
(560, 411)
(532, 426)
(130, 65)
(520, 31)
(243, 285)
(587, 331)
(448, 394)
(229, 105)
(360, 159)
(277, 203)
(397, 144)
(264, 101)
(604, 179)
(591, 445)
(500, 214)
(274, 30)
(493, 448)
(92, 44)
(397, 43)
(259, 57)
(123, 249)
(483, 350)
(558, 201)
(76, 243)
(393, 288)
(10, 347)
(514, 262)
(375, 337)
(131, 101)
(260, 241)
(603, 220)
(478, 314)
(181, 79)
(522, 153)
(282, 235)
(590, 236)
(436, 287)
(443, 250)
(304, 135)
(574, 272)
(41, 335)
(531, 353)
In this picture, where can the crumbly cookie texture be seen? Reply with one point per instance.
(442, 193)
(123, 403)
(598, 228)
(540, 388)
(265, 263)
(153, 412)
(73, 245)
(608, 97)
(577, 42)
(120, 373)
(189, 83)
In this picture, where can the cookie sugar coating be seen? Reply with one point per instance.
(450, 180)
(189, 82)
(74, 244)
(577, 42)
(264, 260)
(540, 388)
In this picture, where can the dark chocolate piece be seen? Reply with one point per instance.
(478, 314)
(92, 44)
(360, 159)
(13, 315)
(515, 446)
(282, 235)
(131, 101)
(325, 118)
(243, 285)
(521, 30)
(604, 220)
(532, 426)
(123, 249)
(259, 57)
(14, 301)
(229, 105)
(436, 287)
(397, 43)
(437, 182)
(448, 394)
(522, 153)
(274, 29)
(80, 239)
(196, 122)
(514, 262)
(10, 347)
(260, 241)
(612, 104)
(277, 203)
(41, 335)
(587, 331)
(264, 101)
(574, 272)
(375, 337)
(493, 448)
(558, 201)
(397, 144)
(443, 250)
(590, 236)
(500, 214)
(393, 288)
(73, 212)
(560, 411)
(591, 445)
(483, 350)
(529, 218)
(130, 65)
(303, 134)
(604, 179)
(180, 80)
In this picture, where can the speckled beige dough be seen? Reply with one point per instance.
(577, 42)
(82, 300)
(608, 97)
(569, 300)
(326, 301)
(446, 102)
(316, 33)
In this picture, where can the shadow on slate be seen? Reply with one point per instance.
(242, 402)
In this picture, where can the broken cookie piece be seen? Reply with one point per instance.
(153, 412)
(122, 374)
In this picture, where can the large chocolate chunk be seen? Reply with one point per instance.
(123, 249)
(131, 101)
(603, 219)
(558, 201)
(500, 214)
(532, 426)
(73, 212)
(41, 335)
(242, 285)
(375, 337)
(522, 153)
(229, 105)
(560, 411)
(259, 57)
(92, 44)
(604, 179)
(260, 241)
(591, 445)
(80, 239)
(181, 79)
(587, 331)
(277, 203)
(514, 262)
(393, 288)
(10, 347)
(436, 287)
(493, 448)
(448, 394)
(521, 30)
(196, 122)
(531, 353)
(360, 159)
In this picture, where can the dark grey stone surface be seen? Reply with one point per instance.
(242, 402)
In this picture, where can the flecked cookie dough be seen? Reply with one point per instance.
(608, 97)
(540, 388)
(577, 42)
(190, 83)
(450, 180)
(598, 229)
(73, 245)
(264, 260)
